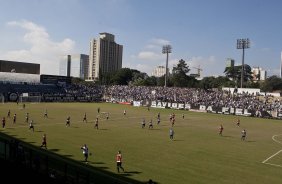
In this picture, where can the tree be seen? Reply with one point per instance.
(234, 73)
(179, 74)
(122, 77)
(271, 84)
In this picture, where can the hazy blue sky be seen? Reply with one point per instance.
(202, 32)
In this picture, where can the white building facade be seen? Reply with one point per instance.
(259, 74)
(105, 56)
(159, 71)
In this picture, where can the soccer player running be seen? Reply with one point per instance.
(159, 115)
(107, 116)
(85, 152)
(143, 123)
(96, 124)
(171, 133)
(84, 118)
(173, 121)
(244, 134)
(44, 141)
(150, 124)
(45, 114)
(68, 122)
(220, 130)
(26, 117)
(159, 120)
(15, 118)
(238, 122)
(3, 122)
(9, 114)
(31, 126)
(119, 161)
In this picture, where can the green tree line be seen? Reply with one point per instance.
(180, 77)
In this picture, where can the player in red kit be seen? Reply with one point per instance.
(119, 161)
(220, 130)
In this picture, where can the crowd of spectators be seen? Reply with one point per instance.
(217, 98)
(195, 96)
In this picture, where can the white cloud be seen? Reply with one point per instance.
(159, 41)
(41, 49)
(153, 50)
(149, 55)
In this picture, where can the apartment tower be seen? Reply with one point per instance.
(105, 56)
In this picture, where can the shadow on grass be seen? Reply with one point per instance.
(68, 168)
(38, 131)
(54, 150)
(97, 162)
(227, 136)
(178, 140)
(129, 173)
(251, 141)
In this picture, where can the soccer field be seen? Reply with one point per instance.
(198, 154)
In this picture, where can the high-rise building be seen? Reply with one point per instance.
(79, 66)
(230, 62)
(159, 71)
(105, 56)
(258, 74)
(65, 65)
(75, 65)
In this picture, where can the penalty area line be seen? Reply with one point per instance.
(271, 157)
(276, 165)
(273, 138)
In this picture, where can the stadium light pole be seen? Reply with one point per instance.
(166, 50)
(243, 44)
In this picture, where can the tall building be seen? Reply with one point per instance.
(65, 65)
(75, 65)
(258, 74)
(230, 62)
(159, 71)
(105, 56)
(79, 66)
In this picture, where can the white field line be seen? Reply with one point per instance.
(271, 156)
(277, 165)
(273, 138)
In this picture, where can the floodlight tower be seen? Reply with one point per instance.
(281, 66)
(243, 44)
(166, 50)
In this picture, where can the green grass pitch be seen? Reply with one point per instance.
(198, 154)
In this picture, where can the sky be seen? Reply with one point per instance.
(201, 32)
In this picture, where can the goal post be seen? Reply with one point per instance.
(26, 98)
